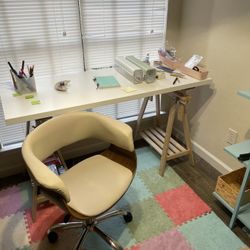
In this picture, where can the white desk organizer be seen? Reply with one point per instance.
(23, 85)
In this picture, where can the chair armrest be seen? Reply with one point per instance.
(114, 132)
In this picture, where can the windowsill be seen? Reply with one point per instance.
(135, 117)
(11, 147)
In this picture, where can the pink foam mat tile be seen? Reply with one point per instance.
(182, 204)
(137, 247)
(10, 201)
(171, 240)
(46, 216)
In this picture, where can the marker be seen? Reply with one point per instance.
(165, 69)
(14, 71)
(22, 68)
(175, 80)
(31, 70)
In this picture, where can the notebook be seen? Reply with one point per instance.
(106, 82)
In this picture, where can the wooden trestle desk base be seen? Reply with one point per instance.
(161, 140)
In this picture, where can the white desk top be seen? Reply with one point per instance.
(82, 94)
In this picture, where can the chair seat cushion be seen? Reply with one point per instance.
(95, 185)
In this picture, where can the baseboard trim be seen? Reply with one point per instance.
(210, 158)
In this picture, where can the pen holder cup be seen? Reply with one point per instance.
(23, 85)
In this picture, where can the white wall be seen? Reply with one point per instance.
(220, 31)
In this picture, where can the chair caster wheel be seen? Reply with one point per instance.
(52, 236)
(66, 218)
(128, 217)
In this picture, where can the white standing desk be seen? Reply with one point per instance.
(82, 94)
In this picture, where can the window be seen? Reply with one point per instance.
(132, 27)
(48, 34)
(44, 33)
(120, 27)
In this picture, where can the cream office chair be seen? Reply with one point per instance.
(90, 188)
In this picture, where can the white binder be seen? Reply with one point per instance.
(128, 69)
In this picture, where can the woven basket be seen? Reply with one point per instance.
(228, 187)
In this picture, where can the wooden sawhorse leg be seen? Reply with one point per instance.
(169, 129)
(158, 110)
(188, 137)
(142, 111)
(180, 104)
(140, 115)
(162, 141)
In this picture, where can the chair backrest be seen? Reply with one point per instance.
(65, 130)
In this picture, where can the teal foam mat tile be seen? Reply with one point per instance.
(149, 220)
(147, 158)
(158, 184)
(136, 193)
(210, 233)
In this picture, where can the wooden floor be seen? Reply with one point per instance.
(201, 178)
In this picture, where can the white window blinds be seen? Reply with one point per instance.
(43, 33)
(48, 34)
(113, 28)
(122, 27)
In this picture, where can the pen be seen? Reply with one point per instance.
(30, 70)
(165, 69)
(175, 80)
(13, 70)
(21, 72)
(14, 81)
(22, 66)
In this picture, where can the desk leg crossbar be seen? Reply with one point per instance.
(161, 140)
